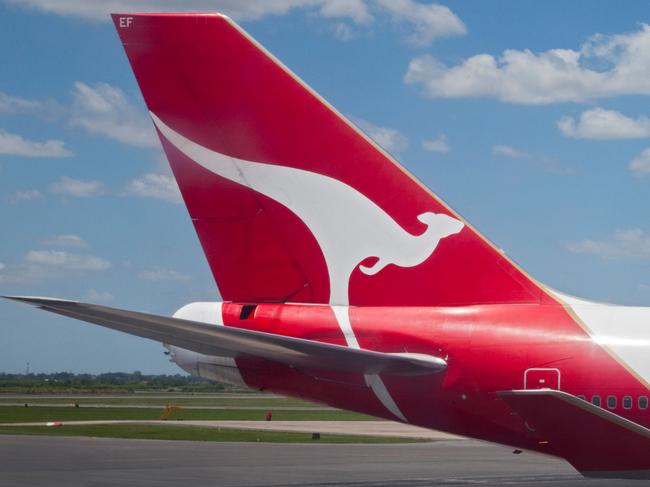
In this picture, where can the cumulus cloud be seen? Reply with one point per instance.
(25, 195)
(356, 10)
(599, 123)
(343, 32)
(15, 105)
(76, 188)
(155, 185)
(604, 66)
(439, 144)
(163, 275)
(632, 244)
(67, 260)
(428, 21)
(392, 140)
(104, 110)
(99, 109)
(511, 152)
(40, 265)
(100, 10)
(16, 145)
(66, 240)
(640, 165)
(423, 21)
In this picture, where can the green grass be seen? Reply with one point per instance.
(134, 399)
(192, 433)
(11, 414)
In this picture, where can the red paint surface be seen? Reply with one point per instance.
(212, 84)
(488, 349)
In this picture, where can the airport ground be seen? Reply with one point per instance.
(200, 417)
(37, 460)
(232, 444)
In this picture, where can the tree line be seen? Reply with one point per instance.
(106, 382)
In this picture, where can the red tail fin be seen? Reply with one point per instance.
(291, 202)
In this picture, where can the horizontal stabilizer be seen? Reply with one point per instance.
(226, 341)
(595, 441)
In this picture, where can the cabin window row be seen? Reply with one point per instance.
(612, 401)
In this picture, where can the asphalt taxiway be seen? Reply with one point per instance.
(58, 461)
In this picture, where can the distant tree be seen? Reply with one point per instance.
(106, 382)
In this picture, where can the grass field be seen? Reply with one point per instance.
(10, 414)
(193, 433)
(255, 400)
(192, 407)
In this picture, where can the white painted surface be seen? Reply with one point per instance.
(625, 330)
(205, 312)
(212, 367)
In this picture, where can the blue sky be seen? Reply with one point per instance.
(529, 118)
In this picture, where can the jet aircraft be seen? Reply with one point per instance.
(346, 281)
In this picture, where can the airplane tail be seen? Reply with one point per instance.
(291, 201)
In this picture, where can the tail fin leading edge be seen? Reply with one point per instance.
(290, 201)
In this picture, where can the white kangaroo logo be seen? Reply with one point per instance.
(347, 225)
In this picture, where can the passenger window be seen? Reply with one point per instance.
(627, 402)
(595, 400)
(643, 402)
(581, 396)
(611, 402)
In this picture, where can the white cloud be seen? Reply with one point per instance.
(76, 188)
(599, 123)
(357, 10)
(237, 9)
(392, 140)
(508, 151)
(95, 296)
(439, 144)
(40, 265)
(25, 195)
(604, 66)
(343, 32)
(67, 240)
(14, 105)
(428, 21)
(424, 21)
(640, 165)
(66, 260)
(155, 185)
(2, 266)
(104, 110)
(100, 109)
(16, 145)
(632, 244)
(163, 275)
(546, 163)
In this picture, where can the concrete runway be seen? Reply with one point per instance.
(58, 461)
